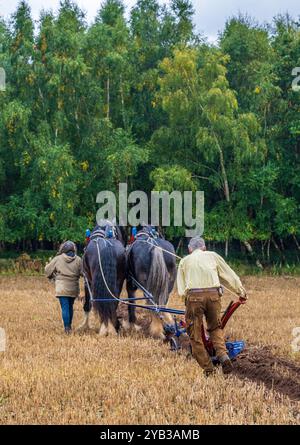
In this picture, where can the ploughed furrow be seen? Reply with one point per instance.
(258, 364)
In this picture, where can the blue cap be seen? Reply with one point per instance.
(87, 233)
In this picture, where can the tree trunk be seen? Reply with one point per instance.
(226, 248)
(296, 242)
(107, 98)
(223, 170)
(221, 157)
(268, 250)
(179, 246)
(251, 252)
(224, 175)
(123, 103)
(276, 245)
(263, 250)
(282, 257)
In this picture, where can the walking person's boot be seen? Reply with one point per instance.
(226, 364)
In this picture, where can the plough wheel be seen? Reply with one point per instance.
(174, 344)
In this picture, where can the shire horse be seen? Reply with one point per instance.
(150, 265)
(104, 270)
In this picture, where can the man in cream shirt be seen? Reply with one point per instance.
(199, 279)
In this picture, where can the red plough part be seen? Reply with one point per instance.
(233, 348)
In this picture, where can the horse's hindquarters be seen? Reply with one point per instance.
(106, 263)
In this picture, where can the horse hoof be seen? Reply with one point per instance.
(156, 331)
(83, 328)
(168, 319)
(85, 325)
(162, 337)
(111, 330)
(137, 328)
(103, 331)
(157, 336)
(112, 333)
(125, 325)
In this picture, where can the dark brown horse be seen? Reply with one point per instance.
(151, 263)
(104, 269)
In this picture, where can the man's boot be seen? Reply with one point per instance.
(226, 364)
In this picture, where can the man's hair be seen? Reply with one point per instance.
(196, 243)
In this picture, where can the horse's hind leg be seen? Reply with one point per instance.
(103, 326)
(87, 310)
(113, 322)
(107, 328)
(131, 312)
(156, 329)
(168, 318)
(108, 322)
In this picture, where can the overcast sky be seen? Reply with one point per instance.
(210, 15)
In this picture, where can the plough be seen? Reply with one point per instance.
(174, 332)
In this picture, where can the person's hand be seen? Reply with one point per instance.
(243, 296)
(243, 299)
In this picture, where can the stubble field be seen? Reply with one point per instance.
(47, 377)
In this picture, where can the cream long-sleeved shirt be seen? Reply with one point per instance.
(205, 269)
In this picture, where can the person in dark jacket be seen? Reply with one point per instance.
(65, 269)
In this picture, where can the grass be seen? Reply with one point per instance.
(276, 269)
(49, 378)
(241, 264)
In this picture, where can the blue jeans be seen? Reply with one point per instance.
(67, 304)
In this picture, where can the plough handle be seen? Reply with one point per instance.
(229, 311)
(232, 307)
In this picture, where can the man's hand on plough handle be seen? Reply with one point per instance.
(243, 297)
(243, 300)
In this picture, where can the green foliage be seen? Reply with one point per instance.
(172, 178)
(148, 102)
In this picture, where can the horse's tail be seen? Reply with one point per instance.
(158, 278)
(105, 282)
